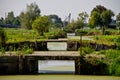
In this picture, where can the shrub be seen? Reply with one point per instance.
(28, 51)
(79, 31)
(113, 61)
(2, 50)
(57, 34)
(114, 68)
(93, 65)
(108, 32)
(86, 50)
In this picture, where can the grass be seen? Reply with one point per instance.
(106, 39)
(20, 35)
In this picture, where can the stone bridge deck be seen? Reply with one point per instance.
(31, 61)
(28, 64)
(57, 40)
(55, 53)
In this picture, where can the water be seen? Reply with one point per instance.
(56, 67)
(58, 46)
(57, 77)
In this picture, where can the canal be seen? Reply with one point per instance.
(52, 68)
(56, 66)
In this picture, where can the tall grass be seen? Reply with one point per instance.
(19, 35)
(113, 61)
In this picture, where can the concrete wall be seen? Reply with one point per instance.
(9, 65)
(29, 64)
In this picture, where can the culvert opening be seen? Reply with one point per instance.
(56, 67)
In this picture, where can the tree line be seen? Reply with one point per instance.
(31, 18)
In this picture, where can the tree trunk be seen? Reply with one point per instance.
(103, 30)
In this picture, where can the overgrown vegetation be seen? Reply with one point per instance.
(25, 49)
(2, 37)
(52, 27)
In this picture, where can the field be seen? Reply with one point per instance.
(19, 35)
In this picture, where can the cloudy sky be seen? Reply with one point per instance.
(60, 7)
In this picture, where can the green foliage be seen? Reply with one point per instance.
(25, 49)
(94, 19)
(55, 34)
(113, 61)
(2, 50)
(56, 21)
(10, 18)
(83, 16)
(41, 25)
(106, 17)
(70, 28)
(117, 40)
(2, 36)
(28, 51)
(79, 31)
(80, 23)
(86, 50)
(118, 20)
(106, 39)
(93, 64)
(100, 16)
(81, 20)
(114, 67)
(27, 17)
(2, 20)
(21, 35)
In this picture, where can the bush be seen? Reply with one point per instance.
(93, 65)
(56, 35)
(113, 61)
(28, 51)
(107, 32)
(86, 50)
(79, 31)
(2, 50)
(114, 68)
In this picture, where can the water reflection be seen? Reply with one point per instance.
(56, 66)
(60, 46)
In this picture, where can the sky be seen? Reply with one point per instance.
(62, 8)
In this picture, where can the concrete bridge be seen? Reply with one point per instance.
(56, 40)
(28, 64)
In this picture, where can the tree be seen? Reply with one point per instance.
(106, 19)
(118, 20)
(2, 20)
(31, 13)
(41, 24)
(94, 20)
(10, 18)
(2, 36)
(70, 28)
(57, 22)
(100, 16)
(16, 21)
(81, 20)
(82, 17)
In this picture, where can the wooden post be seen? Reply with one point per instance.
(77, 66)
(80, 43)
